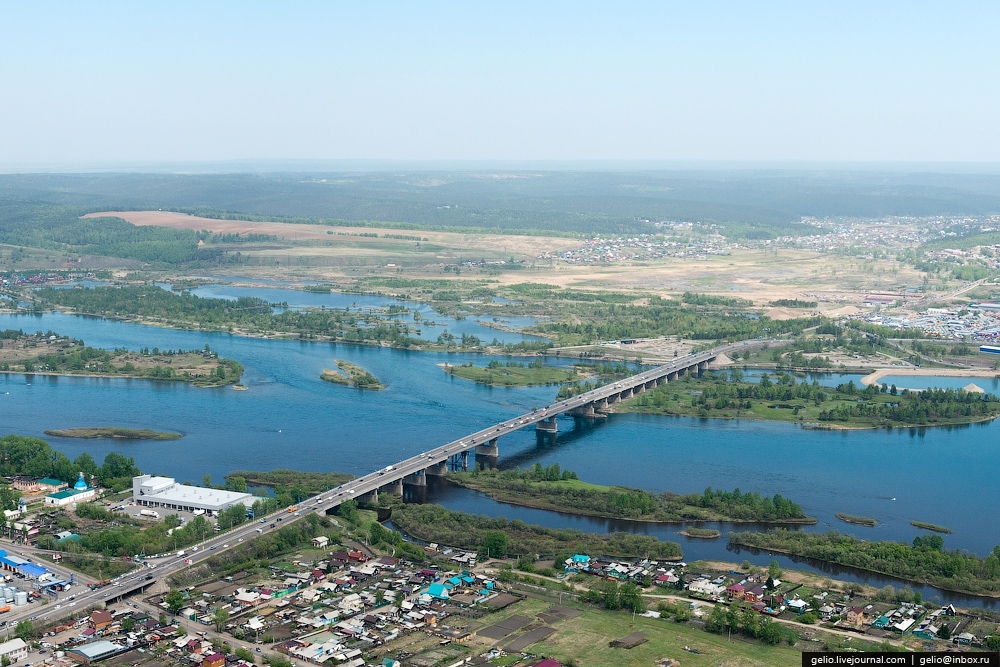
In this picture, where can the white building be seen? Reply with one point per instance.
(79, 493)
(166, 492)
(14, 650)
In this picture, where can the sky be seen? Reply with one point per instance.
(103, 83)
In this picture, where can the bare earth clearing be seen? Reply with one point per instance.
(318, 252)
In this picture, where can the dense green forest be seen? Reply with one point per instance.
(924, 561)
(20, 455)
(42, 225)
(550, 488)
(433, 523)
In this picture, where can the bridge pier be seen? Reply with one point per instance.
(439, 469)
(416, 479)
(396, 488)
(465, 460)
(671, 377)
(370, 498)
(601, 404)
(584, 410)
(489, 450)
(625, 395)
(547, 425)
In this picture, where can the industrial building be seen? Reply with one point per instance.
(88, 653)
(165, 492)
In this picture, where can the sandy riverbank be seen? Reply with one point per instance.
(873, 378)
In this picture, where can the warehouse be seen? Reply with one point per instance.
(88, 653)
(165, 492)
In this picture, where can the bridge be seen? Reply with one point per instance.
(414, 470)
(484, 444)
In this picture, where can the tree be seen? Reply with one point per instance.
(162, 620)
(245, 655)
(774, 569)
(237, 484)
(220, 617)
(495, 544)
(175, 601)
(993, 642)
(4, 661)
(944, 632)
(630, 598)
(24, 630)
(128, 624)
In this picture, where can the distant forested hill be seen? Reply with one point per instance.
(748, 204)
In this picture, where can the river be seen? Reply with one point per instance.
(289, 418)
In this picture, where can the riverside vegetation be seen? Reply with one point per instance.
(785, 399)
(924, 561)
(512, 373)
(554, 489)
(498, 537)
(579, 317)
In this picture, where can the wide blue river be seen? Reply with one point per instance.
(289, 418)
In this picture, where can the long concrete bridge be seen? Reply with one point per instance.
(484, 444)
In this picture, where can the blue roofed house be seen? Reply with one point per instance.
(439, 591)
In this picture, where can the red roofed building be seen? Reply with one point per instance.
(214, 660)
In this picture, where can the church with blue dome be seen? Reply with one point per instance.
(81, 492)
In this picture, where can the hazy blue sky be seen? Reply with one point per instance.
(140, 82)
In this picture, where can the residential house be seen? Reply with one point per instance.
(855, 616)
(101, 619)
(214, 660)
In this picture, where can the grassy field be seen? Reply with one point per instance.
(584, 641)
(513, 374)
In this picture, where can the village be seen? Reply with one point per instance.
(349, 604)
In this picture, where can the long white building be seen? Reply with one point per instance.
(165, 492)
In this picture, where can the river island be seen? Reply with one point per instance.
(49, 353)
(551, 488)
(113, 432)
(351, 375)
(783, 398)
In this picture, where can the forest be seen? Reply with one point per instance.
(924, 561)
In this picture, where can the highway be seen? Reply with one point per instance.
(160, 568)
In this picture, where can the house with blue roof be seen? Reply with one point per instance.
(439, 591)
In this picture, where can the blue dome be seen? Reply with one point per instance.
(80, 484)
